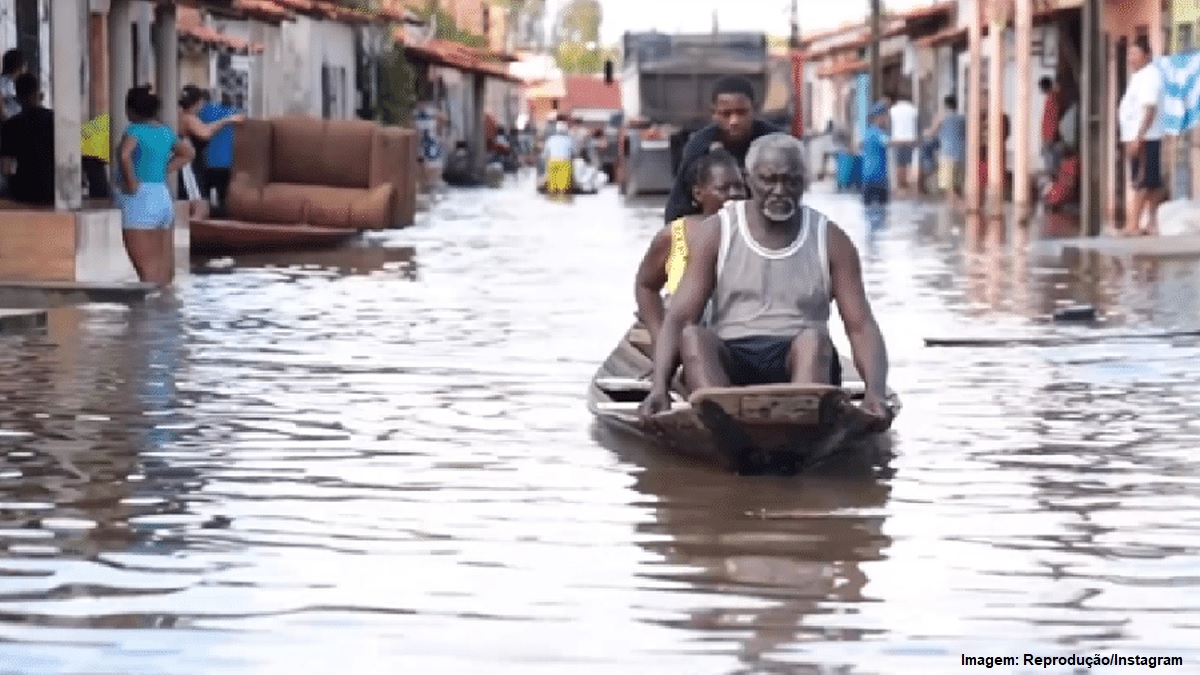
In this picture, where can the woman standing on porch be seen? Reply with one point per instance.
(149, 153)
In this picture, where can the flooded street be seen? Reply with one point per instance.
(381, 461)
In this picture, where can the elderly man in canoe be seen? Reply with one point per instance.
(771, 267)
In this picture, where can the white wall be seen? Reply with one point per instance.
(332, 44)
(457, 104)
(8, 24)
(503, 100)
(286, 78)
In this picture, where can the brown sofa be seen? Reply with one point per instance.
(350, 174)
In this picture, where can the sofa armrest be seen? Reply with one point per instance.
(394, 161)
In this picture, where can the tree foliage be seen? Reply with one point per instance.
(579, 21)
(577, 46)
(447, 29)
(397, 88)
(575, 57)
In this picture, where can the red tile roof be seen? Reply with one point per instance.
(460, 57)
(589, 91)
(275, 11)
(189, 24)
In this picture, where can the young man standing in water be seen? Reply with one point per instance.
(782, 263)
(218, 160)
(1142, 131)
(734, 126)
(902, 121)
(875, 186)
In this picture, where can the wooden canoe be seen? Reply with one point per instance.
(223, 237)
(776, 428)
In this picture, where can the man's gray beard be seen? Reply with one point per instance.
(779, 217)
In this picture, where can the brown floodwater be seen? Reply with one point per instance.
(380, 460)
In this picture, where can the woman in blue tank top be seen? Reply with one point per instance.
(149, 152)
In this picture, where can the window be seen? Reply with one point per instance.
(333, 92)
(1185, 37)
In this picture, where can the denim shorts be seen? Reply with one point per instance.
(150, 208)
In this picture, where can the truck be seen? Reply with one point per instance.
(666, 95)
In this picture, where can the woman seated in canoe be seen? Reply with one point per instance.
(715, 179)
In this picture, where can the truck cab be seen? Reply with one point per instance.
(666, 93)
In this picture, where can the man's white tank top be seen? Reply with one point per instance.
(770, 292)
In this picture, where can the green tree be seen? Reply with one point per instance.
(579, 21)
(577, 46)
(397, 88)
(574, 57)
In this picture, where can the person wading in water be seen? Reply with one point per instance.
(734, 127)
(715, 180)
(771, 267)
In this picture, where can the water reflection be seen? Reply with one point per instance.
(768, 561)
(82, 468)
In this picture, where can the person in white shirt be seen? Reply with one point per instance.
(558, 153)
(903, 116)
(1141, 132)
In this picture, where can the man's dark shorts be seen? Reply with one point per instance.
(764, 360)
(904, 154)
(1152, 178)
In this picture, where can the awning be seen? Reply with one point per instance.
(946, 36)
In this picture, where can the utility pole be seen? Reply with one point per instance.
(1091, 136)
(797, 59)
(876, 35)
(795, 34)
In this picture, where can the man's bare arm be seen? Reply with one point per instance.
(866, 340)
(687, 304)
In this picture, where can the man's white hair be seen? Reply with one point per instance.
(787, 144)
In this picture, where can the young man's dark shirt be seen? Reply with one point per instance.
(28, 138)
(680, 204)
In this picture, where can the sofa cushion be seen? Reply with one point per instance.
(329, 206)
(346, 153)
(295, 150)
(315, 152)
(348, 207)
(274, 203)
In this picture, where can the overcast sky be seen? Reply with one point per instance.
(771, 16)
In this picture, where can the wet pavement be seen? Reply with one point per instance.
(380, 460)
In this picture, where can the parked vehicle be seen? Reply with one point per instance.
(666, 92)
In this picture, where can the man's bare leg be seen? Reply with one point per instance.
(1133, 218)
(1154, 198)
(700, 353)
(810, 359)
